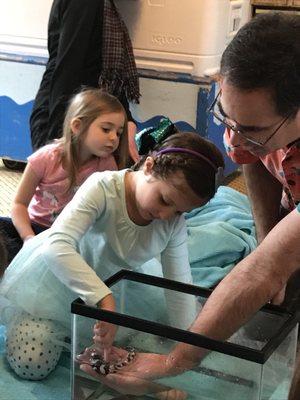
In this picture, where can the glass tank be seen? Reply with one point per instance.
(153, 316)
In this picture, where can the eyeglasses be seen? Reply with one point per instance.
(215, 110)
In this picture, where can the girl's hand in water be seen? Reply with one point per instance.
(104, 332)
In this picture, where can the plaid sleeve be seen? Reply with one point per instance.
(237, 154)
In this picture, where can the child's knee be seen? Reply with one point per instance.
(30, 352)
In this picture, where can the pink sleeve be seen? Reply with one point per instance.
(40, 159)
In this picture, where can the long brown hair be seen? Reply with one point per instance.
(88, 105)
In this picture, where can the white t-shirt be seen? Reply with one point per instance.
(92, 239)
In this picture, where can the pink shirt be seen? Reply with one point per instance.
(283, 164)
(50, 196)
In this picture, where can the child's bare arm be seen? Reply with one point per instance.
(19, 212)
(104, 332)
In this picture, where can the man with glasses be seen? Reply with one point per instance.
(258, 103)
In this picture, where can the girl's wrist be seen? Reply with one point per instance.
(107, 303)
(26, 238)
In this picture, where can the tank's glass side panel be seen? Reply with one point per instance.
(73, 348)
(258, 331)
(156, 304)
(216, 375)
(82, 385)
(278, 370)
(180, 309)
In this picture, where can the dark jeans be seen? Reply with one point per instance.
(75, 61)
(11, 237)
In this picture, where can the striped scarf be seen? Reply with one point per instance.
(119, 73)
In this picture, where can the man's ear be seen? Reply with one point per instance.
(75, 125)
(148, 166)
(221, 82)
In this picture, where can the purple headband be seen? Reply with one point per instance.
(219, 173)
(187, 151)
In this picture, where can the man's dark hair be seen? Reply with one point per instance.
(265, 53)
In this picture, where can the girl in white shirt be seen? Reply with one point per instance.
(117, 219)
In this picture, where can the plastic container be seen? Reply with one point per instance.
(182, 36)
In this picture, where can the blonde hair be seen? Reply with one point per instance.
(86, 106)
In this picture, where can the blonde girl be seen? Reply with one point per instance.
(94, 139)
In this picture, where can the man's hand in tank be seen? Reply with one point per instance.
(136, 377)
